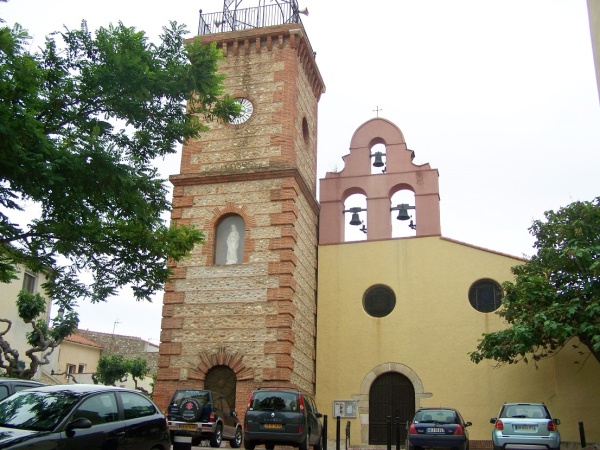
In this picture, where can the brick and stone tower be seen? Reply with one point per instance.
(240, 311)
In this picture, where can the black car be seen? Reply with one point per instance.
(195, 415)
(8, 386)
(282, 416)
(82, 416)
(438, 428)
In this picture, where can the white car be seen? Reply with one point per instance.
(520, 425)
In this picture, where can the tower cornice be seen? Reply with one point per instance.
(256, 40)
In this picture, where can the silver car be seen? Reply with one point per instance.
(525, 425)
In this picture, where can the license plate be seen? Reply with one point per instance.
(524, 427)
(273, 425)
(435, 430)
(183, 426)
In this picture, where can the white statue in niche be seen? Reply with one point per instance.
(233, 241)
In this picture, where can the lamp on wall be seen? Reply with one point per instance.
(402, 209)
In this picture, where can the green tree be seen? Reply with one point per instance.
(111, 368)
(82, 122)
(139, 369)
(116, 367)
(556, 294)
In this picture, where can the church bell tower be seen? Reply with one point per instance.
(240, 311)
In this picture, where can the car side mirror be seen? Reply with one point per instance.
(468, 424)
(493, 420)
(80, 422)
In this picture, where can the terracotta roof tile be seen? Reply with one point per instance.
(78, 339)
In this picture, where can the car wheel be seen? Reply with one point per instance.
(497, 447)
(305, 444)
(249, 445)
(318, 445)
(269, 446)
(217, 437)
(236, 442)
(192, 409)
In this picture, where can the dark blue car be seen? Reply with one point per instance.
(80, 417)
(438, 428)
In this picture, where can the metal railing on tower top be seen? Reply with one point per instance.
(243, 19)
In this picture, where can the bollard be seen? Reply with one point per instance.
(347, 435)
(582, 435)
(337, 433)
(397, 433)
(324, 443)
(388, 421)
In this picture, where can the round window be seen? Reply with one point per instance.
(485, 295)
(379, 301)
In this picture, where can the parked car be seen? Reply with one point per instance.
(82, 416)
(194, 415)
(525, 424)
(438, 428)
(8, 386)
(282, 416)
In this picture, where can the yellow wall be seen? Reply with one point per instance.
(428, 335)
(75, 354)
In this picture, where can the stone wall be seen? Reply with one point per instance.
(128, 346)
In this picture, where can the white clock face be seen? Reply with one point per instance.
(247, 109)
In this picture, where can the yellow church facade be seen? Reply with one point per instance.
(409, 347)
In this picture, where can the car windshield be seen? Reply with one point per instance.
(37, 411)
(524, 412)
(275, 401)
(436, 415)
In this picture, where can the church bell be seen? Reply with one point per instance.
(378, 160)
(403, 214)
(355, 219)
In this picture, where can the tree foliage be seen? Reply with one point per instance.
(82, 122)
(111, 368)
(556, 294)
(115, 367)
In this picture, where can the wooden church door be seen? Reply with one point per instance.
(222, 379)
(391, 395)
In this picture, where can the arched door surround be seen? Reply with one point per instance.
(365, 388)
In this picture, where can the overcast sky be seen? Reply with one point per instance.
(499, 96)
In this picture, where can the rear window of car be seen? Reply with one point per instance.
(200, 395)
(274, 401)
(524, 412)
(436, 415)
